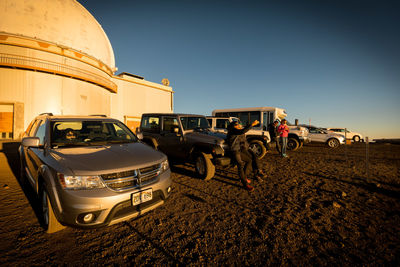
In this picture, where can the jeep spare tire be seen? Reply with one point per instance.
(258, 148)
(205, 169)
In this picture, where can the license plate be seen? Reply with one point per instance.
(142, 196)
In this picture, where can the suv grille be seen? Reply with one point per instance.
(131, 179)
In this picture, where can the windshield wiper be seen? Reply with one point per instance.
(60, 145)
(120, 141)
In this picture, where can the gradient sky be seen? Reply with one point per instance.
(334, 63)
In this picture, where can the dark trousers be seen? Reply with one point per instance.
(246, 160)
(278, 144)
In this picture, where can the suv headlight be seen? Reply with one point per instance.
(164, 165)
(80, 182)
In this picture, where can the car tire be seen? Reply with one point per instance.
(258, 148)
(333, 143)
(301, 143)
(50, 222)
(205, 169)
(292, 144)
(356, 138)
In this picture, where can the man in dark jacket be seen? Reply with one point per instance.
(273, 133)
(243, 156)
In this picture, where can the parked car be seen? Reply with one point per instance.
(91, 171)
(356, 137)
(321, 135)
(258, 140)
(187, 138)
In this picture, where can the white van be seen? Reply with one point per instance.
(265, 115)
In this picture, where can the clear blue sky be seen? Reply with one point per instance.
(336, 63)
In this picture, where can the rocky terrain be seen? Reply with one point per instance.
(317, 207)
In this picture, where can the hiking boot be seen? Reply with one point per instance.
(249, 187)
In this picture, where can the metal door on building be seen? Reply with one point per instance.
(6, 121)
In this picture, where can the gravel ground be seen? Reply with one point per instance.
(317, 207)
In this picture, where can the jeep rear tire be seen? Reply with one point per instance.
(50, 222)
(258, 148)
(292, 144)
(205, 169)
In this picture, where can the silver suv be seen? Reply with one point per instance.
(91, 171)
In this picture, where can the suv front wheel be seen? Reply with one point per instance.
(50, 222)
(204, 166)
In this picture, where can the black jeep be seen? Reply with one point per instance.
(185, 137)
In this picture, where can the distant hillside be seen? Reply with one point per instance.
(389, 141)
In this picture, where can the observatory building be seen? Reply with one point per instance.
(55, 57)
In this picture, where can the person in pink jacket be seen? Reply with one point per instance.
(283, 131)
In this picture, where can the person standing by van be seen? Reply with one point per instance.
(273, 133)
(283, 131)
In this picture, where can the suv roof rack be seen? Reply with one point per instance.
(46, 113)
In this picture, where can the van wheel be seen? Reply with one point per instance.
(292, 144)
(258, 148)
(50, 223)
(205, 169)
(333, 143)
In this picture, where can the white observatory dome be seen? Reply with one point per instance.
(63, 22)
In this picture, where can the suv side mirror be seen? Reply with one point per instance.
(30, 141)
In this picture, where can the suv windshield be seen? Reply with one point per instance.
(83, 133)
(194, 123)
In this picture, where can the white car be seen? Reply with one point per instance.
(320, 135)
(356, 137)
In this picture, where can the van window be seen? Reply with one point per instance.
(222, 123)
(255, 115)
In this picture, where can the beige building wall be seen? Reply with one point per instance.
(43, 92)
(136, 96)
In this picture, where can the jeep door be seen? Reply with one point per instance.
(171, 140)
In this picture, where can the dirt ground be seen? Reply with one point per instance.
(316, 207)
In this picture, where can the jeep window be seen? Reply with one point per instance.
(41, 131)
(169, 123)
(150, 124)
(86, 133)
(192, 123)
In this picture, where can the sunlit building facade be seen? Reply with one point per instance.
(55, 57)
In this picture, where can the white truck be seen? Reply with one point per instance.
(298, 135)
